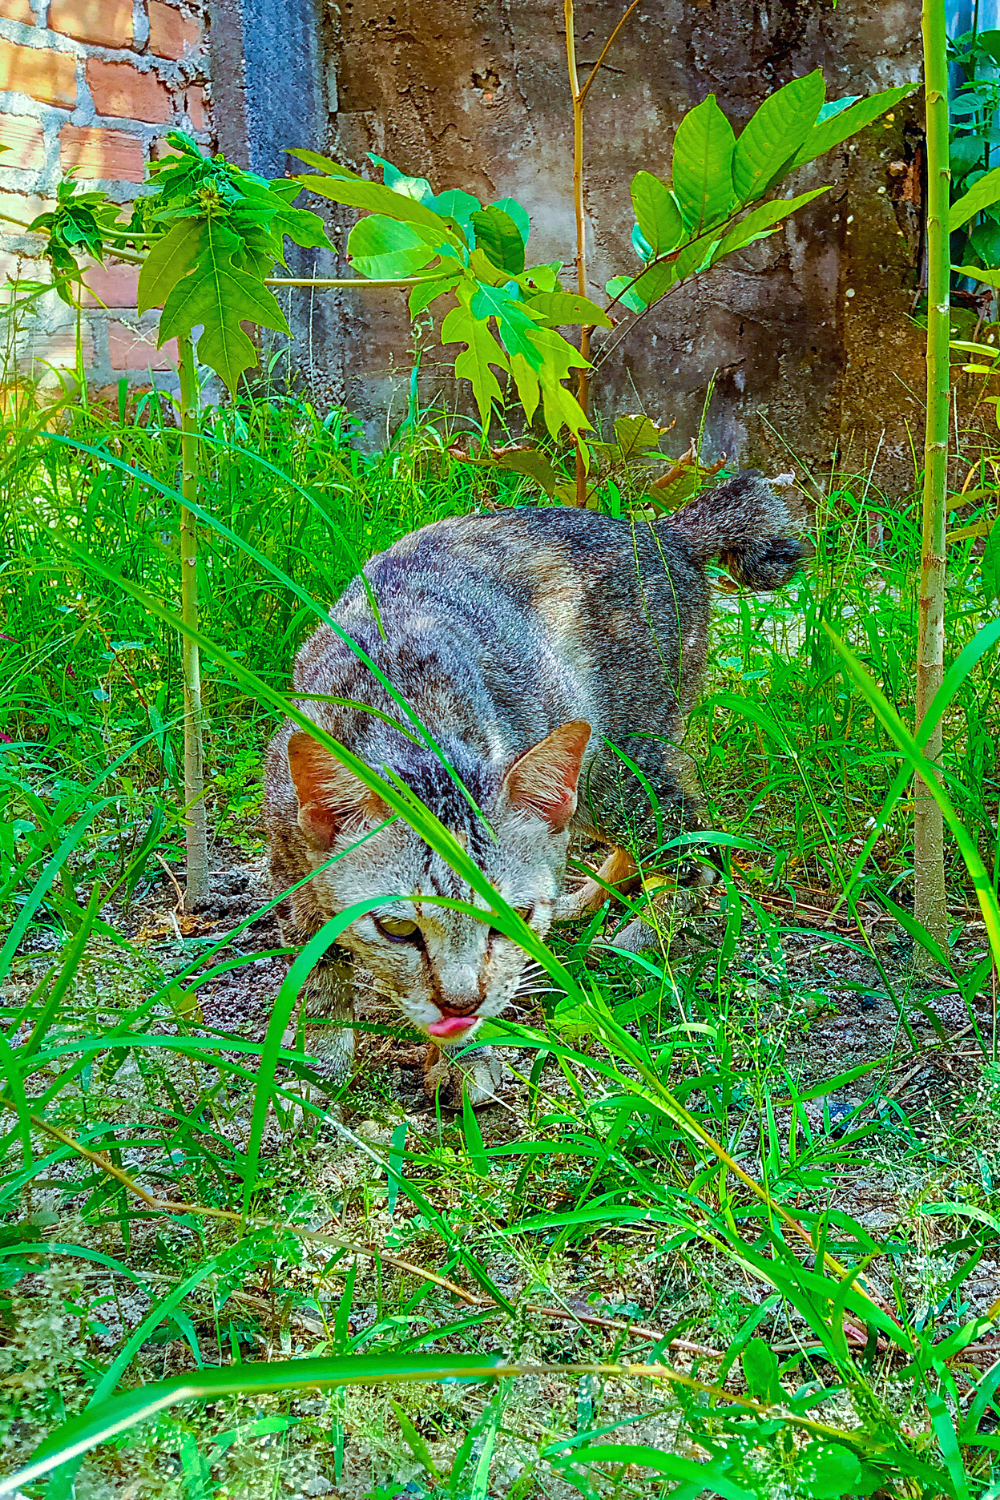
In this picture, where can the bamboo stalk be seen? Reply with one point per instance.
(196, 839)
(930, 908)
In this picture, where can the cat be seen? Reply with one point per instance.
(552, 653)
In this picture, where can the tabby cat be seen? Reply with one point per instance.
(552, 654)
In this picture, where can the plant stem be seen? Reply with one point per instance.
(194, 769)
(577, 96)
(930, 908)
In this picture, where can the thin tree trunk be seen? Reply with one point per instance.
(196, 892)
(930, 908)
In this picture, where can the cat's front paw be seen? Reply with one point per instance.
(479, 1075)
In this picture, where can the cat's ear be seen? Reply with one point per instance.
(543, 780)
(329, 794)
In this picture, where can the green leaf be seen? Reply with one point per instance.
(499, 237)
(417, 188)
(991, 563)
(828, 1471)
(635, 435)
(304, 227)
(379, 246)
(622, 289)
(528, 461)
(839, 127)
(656, 212)
(217, 295)
(376, 198)
(988, 278)
(518, 213)
(563, 308)
(514, 321)
(984, 194)
(775, 134)
(761, 222)
(709, 1476)
(169, 259)
(323, 164)
(834, 107)
(760, 1370)
(703, 165)
(474, 1144)
(422, 296)
(474, 362)
(675, 494)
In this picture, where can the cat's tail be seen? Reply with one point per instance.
(747, 526)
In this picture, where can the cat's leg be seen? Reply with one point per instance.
(326, 1009)
(618, 870)
(480, 1075)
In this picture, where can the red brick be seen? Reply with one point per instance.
(105, 23)
(45, 75)
(105, 155)
(194, 105)
(24, 138)
(135, 349)
(17, 10)
(170, 34)
(117, 88)
(111, 285)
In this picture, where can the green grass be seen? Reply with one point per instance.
(693, 1157)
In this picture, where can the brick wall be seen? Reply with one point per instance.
(92, 85)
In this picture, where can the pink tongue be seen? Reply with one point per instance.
(452, 1025)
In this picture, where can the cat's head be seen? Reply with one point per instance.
(445, 969)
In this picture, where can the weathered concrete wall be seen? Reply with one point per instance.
(810, 331)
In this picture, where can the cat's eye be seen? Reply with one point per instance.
(398, 929)
(524, 912)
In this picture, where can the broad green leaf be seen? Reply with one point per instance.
(324, 164)
(423, 295)
(984, 194)
(454, 204)
(703, 165)
(761, 221)
(518, 213)
(563, 308)
(641, 245)
(513, 319)
(775, 133)
(376, 198)
(531, 462)
(991, 563)
(656, 212)
(417, 188)
(760, 1370)
(529, 392)
(304, 227)
(839, 127)
(988, 278)
(561, 408)
(473, 364)
(622, 289)
(217, 295)
(834, 107)
(169, 259)
(381, 247)
(829, 1471)
(499, 237)
(675, 494)
(635, 435)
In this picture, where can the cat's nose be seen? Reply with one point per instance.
(458, 1007)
